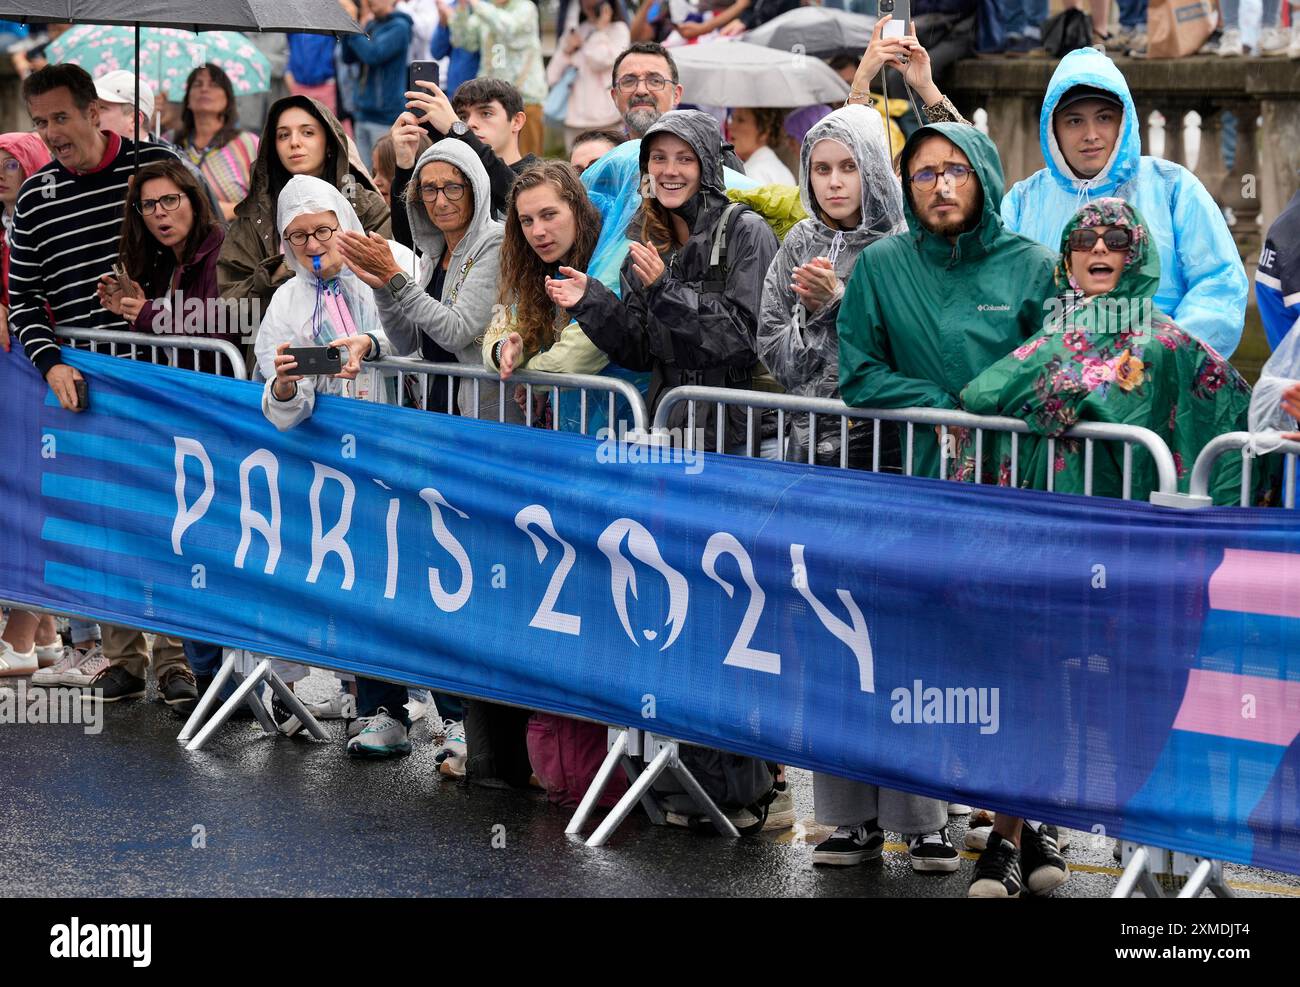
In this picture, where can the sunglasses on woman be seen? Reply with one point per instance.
(1114, 239)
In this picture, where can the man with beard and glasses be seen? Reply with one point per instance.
(644, 84)
(923, 314)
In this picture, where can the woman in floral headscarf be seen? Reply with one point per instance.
(1106, 354)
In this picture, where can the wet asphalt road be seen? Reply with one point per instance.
(115, 815)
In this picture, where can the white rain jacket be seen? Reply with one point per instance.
(299, 313)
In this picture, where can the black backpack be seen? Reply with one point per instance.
(1068, 30)
(732, 781)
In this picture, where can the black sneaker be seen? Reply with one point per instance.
(997, 872)
(850, 845)
(288, 723)
(933, 852)
(112, 684)
(179, 691)
(1041, 862)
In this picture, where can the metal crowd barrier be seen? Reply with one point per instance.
(132, 344)
(1243, 442)
(645, 757)
(942, 418)
(613, 388)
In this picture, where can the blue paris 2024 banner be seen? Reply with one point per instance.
(1112, 667)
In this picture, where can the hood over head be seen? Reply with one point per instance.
(424, 232)
(1089, 67)
(270, 176)
(700, 131)
(1138, 281)
(29, 149)
(304, 194)
(983, 155)
(862, 131)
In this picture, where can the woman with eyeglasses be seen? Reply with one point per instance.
(301, 137)
(169, 247)
(439, 312)
(1107, 354)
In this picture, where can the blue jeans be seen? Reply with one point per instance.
(1020, 15)
(372, 694)
(1132, 13)
(990, 33)
(1269, 15)
(82, 630)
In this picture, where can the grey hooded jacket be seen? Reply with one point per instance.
(682, 333)
(457, 320)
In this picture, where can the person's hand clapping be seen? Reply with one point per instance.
(430, 105)
(816, 283)
(286, 381)
(368, 257)
(646, 263)
(567, 291)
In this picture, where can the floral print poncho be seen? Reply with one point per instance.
(1109, 358)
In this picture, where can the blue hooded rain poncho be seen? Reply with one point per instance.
(1203, 284)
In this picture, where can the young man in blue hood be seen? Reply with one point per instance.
(1091, 140)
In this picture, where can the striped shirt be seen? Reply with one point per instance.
(65, 237)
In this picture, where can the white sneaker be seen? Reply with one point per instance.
(340, 706)
(451, 755)
(958, 809)
(780, 811)
(48, 654)
(1230, 45)
(71, 659)
(80, 675)
(17, 663)
(1274, 41)
(979, 828)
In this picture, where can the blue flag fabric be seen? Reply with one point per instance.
(1109, 666)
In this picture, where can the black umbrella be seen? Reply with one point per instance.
(307, 16)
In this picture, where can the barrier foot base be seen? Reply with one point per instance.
(1145, 865)
(245, 693)
(666, 758)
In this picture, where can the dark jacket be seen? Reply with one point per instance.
(676, 329)
(181, 313)
(382, 51)
(251, 264)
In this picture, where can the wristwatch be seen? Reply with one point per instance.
(459, 129)
(396, 283)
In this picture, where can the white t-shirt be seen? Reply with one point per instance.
(766, 168)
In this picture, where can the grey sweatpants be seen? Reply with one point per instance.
(844, 802)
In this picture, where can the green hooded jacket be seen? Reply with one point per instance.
(1111, 358)
(921, 316)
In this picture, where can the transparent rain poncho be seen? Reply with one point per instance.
(801, 349)
(1268, 422)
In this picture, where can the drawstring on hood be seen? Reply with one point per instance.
(1089, 67)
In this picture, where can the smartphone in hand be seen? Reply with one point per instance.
(83, 394)
(316, 360)
(901, 13)
(418, 71)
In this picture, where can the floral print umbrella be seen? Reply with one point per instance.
(167, 55)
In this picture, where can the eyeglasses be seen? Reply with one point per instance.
(322, 234)
(1118, 238)
(928, 178)
(13, 164)
(168, 202)
(454, 191)
(628, 84)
